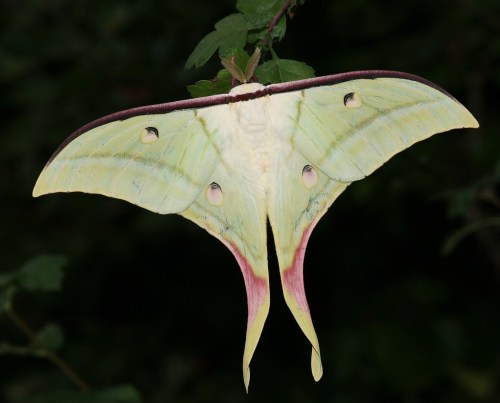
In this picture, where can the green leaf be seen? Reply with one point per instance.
(259, 13)
(233, 70)
(9, 349)
(51, 336)
(453, 240)
(220, 85)
(240, 58)
(461, 201)
(230, 33)
(204, 50)
(234, 31)
(117, 394)
(5, 279)
(252, 63)
(239, 63)
(6, 297)
(42, 273)
(277, 33)
(282, 70)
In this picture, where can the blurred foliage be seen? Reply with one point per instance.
(255, 28)
(154, 302)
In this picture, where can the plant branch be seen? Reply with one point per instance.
(50, 355)
(275, 20)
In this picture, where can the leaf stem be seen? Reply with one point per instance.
(275, 20)
(50, 355)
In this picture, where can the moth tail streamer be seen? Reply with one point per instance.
(292, 280)
(257, 289)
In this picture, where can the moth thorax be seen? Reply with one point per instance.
(246, 88)
(251, 115)
(253, 121)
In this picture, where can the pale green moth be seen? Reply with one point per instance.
(282, 152)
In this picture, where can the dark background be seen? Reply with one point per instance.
(155, 301)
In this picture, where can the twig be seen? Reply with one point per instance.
(50, 355)
(275, 20)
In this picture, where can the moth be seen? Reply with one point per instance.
(282, 152)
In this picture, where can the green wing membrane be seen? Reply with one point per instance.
(351, 128)
(175, 173)
(330, 136)
(294, 209)
(163, 176)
